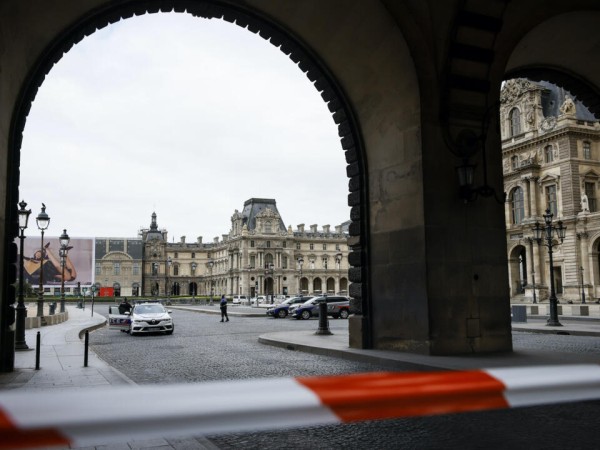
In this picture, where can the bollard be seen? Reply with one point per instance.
(323, 322)
(38, 340)
(87, 344)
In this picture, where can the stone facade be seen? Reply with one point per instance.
(551, 160)
(118, 264)
(259, 256)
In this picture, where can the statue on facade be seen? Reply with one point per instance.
(568, 107)
(585, 207)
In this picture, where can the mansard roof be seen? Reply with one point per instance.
(260, 206)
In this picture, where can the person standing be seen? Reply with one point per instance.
(223, 306)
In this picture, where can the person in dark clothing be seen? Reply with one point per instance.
(124, 306)
(223, 306)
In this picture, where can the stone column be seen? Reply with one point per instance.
(585, 258)
(533, 197)
(540, 275)
(527, 197)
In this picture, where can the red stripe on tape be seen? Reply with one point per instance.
(14, 439)
(389, 395)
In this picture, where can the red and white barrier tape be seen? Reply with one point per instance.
(117, 414)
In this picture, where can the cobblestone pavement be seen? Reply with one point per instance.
(204, 349)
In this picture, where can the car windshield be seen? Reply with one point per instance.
(149, 309)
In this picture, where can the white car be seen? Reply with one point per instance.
(146, 317)
(239, 299)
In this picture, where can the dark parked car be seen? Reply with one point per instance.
(282, 309)
(311, 308)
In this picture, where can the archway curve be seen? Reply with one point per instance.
(270, 30)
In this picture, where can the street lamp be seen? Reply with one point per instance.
(167, 288)
(300, 263)
(64, 242)
(211, 264)
(43, 221)
(20, 343)
(543, 234)
(194, 286)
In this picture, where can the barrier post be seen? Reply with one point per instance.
(87, 344)
(38, 340)
(323, 322)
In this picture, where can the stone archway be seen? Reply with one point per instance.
(271, 31)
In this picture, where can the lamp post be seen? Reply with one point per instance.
(194, 265)
(167, 287)
(211, 264)
(543, 234)
(64, 242)
(533, 280)
(300, 263)
(582, 289)
(43, 221)
(20, 343)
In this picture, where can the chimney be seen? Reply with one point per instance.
(338, 229)
(199, 239)
(301, 228)
(225, 237)
(313, 228)
(326, 228)
(216, 239)
(183, 239)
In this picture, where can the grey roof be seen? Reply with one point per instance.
(154, 232)
(553, 97)
(256, 205)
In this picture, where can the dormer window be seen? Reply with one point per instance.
(515, 122)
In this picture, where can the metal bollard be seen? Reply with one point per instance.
(323, 322)
(87, 344)
(38, 340)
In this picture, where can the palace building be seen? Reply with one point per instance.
(551, 162)
(259, 256)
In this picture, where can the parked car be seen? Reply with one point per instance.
(339, 309)
(311, 307)
(260, 298)
(146, 317)
(239, 299)
(281, 310)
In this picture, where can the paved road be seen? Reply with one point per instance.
(202, 348)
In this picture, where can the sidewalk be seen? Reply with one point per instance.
(62, 357)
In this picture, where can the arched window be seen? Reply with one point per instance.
(268, 259)
(515, 122)
(518, 209)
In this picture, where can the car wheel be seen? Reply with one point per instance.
(131, 333)
(306, 314)
(282, 313)
(344, 313)
(170, 331)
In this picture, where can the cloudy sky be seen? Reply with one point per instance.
(184, 116)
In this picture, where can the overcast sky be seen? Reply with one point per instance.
(184, 116)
